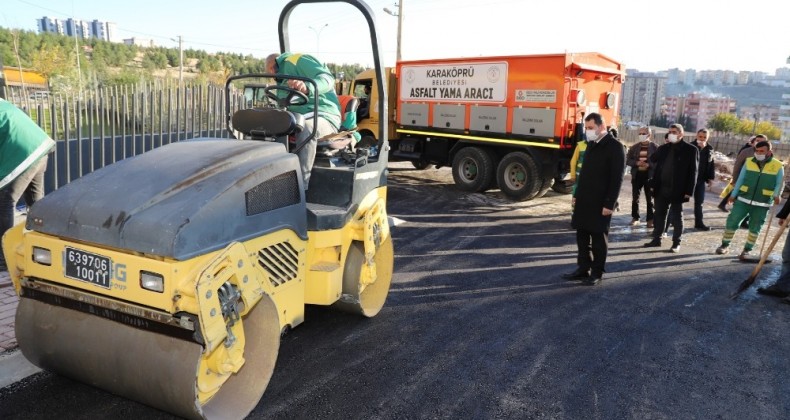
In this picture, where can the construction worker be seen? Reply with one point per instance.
(576, 163)
(759, 185)
(23, 160)
(746, 151)
(329, 116)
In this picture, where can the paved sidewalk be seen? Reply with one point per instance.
(8, 302)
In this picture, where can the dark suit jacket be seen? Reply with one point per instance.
(598, 184)
(706, 170)
(685, 170)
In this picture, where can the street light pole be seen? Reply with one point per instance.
(318, 37)
(399, 15)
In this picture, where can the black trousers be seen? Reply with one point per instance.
(593, 247)
(674, 211)
(699, 198)
(639, 183)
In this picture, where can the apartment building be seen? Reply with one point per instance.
(642, 96)
(78, 28)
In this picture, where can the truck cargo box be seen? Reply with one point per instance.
(529, 98)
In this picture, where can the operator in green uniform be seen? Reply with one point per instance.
(292, 64)
(23, 160)
(759, 185)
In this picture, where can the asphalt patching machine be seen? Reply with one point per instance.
(168, 278)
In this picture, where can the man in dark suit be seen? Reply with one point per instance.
(597, 189)
(706, 173)
(673, 182)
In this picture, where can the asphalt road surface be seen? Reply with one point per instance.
(479, 324)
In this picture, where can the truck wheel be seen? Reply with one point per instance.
(473, 169)
(561, 187)
(420, 164)
(518, 176)
(545, 187)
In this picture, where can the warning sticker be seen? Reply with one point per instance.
(536, 95)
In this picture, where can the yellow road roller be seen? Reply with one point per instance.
(168, 278)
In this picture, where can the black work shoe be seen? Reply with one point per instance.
(577, 274)
(653, 244)
(773, 291)
(724, 208)
(592, 280)
(701, 226)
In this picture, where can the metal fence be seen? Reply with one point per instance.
(112, 124)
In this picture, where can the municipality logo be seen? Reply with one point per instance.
(493, 74)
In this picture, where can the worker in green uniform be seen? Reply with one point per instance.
(759, 185)
(329, 117)
(23, 160)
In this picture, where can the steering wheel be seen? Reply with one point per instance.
(294, 97)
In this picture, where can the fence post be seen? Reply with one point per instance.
(66, 135)
(54, 135)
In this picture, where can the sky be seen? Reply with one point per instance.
(644, 35)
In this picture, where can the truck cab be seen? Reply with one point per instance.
(365, 87)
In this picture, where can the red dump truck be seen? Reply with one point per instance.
(510, 121)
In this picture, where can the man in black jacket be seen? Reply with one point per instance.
(781, 287)
(597, 189)
(706, 175)
(673, 182)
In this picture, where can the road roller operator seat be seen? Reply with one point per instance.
(346, 133)
(267, 123)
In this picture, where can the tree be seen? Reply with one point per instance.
(747, 128)
(154, 59)
(51, 60)
(659, 121)
(724, 123)
(688, 125)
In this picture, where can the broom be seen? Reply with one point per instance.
(752, 277)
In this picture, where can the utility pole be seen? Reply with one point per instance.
(399, 15)
(180, 61)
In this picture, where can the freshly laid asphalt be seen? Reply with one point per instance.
(479, 324)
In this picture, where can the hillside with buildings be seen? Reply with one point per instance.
(694, 97)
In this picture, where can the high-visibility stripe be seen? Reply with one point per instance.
(753, 202)
(486, 139)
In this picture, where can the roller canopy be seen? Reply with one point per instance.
(180, 200)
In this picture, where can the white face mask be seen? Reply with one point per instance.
(673, 138)
(759, 157)
(592, 135)
(643, 137)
